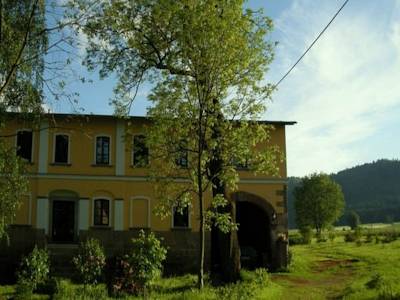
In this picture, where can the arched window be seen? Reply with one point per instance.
(101, 212)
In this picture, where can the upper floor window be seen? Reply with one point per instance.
(24, 144)
(180, 217)
(101, 216)
(61, 148)
(182, 158)
(102, 150)
(140, 151)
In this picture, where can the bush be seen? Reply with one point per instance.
(34, 270)
(90, 261)
(136, 270)
(332, 235)
(306, 233)
(389, 236)
(296, 239)
(354, 236)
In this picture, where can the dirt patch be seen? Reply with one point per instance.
(290, 279)
(324, 265)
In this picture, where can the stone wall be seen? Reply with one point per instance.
(182, 246)
(22, 239)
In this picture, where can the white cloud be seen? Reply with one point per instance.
(342, 90)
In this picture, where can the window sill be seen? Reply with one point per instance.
(102, 165)
(101, 227)
(139, 167)
(61, 164)
(140, 228)
(181, 229)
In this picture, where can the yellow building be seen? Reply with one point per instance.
(86, 179)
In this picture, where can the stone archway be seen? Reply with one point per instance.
(257, 231)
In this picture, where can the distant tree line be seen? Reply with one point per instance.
(371, 190)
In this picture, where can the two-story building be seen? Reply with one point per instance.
(87, 178)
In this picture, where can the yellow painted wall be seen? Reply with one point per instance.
(82, 134)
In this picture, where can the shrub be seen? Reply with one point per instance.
(136, 270)
(354, 236)
(375, 282)
(306, 233)
(34, 270)
(296, 239)
(90, 261)
(332, 235)
(389, 236)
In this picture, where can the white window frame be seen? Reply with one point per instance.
(110, 212)
(189, 219)
(109, 150)
(133, 153)
(54, 148)
(134, 198)
(33, 140)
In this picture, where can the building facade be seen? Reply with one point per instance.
(87, 178)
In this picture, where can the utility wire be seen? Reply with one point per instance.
(312, 44)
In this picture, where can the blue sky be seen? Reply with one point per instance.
(345, 94)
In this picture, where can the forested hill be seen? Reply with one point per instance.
(372, 190)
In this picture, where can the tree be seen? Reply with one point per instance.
(354, 219)
(21, 64)
(24, 72)
(207, 61)
(319, 202)
(13, 185)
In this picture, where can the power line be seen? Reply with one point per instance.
(312, 44)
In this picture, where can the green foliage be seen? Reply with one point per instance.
(207, 61)
(331, 234)
(34, 270)
(307, 234)
(13, 186)
(319, 202)
(375, 282)
(138, 269)
(354, 219)
(371, 189)
(90, 261)
(23, 41)
(66, 290)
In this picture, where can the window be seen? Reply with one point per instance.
(182, 159)
(140, 151)
(101, 212)
(61, 148)
(181, 217)
(102, 150)
(24, 144)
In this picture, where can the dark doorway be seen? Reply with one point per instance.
(63, 221)
(254, 235)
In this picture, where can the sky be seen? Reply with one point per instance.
(344, 94)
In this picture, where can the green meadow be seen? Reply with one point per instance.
(334, 269)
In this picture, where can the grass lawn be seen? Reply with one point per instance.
(330, 270)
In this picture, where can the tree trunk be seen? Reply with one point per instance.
(228, 253)
(201, 255)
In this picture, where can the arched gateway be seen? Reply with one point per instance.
(260, 243)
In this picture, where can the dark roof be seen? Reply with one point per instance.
(138, 118)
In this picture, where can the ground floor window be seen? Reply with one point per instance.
(181, 217)
(101, 212)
